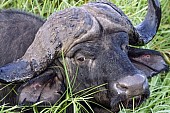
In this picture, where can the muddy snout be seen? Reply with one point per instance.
(132, 86)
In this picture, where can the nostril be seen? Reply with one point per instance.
(120, 88)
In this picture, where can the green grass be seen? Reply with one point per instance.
(159, 101)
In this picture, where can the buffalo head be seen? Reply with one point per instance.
(95, 40)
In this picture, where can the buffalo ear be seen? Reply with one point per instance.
(149, 61)
(46, 88)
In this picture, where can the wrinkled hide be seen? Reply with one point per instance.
(95, 40)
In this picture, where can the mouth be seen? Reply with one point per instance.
(133, 102)
(127, 103)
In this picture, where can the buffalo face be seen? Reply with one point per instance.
(95, 40)
(105, 61)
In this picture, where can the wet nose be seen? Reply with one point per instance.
(132, 86)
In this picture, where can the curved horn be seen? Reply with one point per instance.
(146, 30)
(17, 33)
(60, 32)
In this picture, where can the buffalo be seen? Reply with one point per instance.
(97, 39)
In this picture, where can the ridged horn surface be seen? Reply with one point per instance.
(146, 30)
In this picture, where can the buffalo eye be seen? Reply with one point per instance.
(80, 58)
